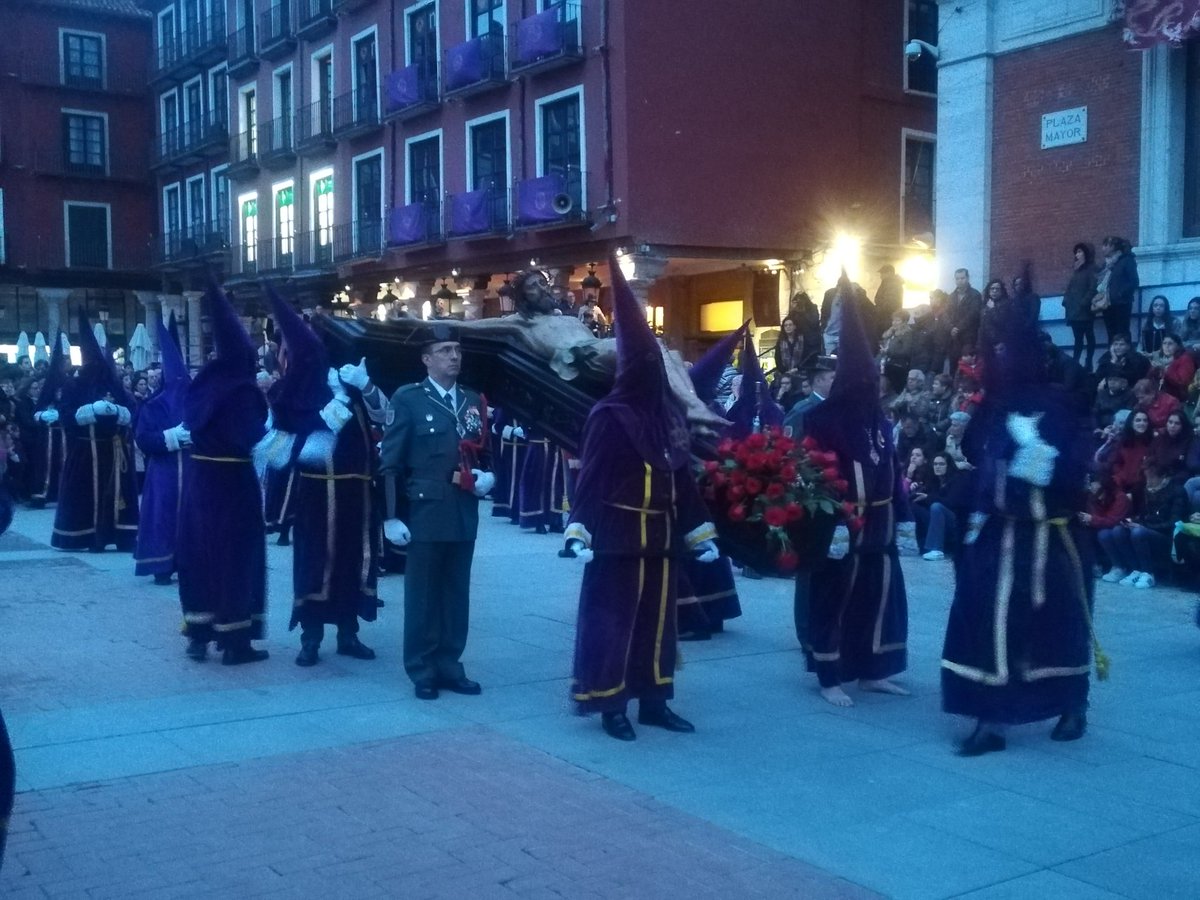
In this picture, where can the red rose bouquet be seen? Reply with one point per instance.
(769, 494)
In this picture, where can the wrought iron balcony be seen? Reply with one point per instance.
(193, 141)
(164, 58)
(479, 213)
(243, 52)
(276, 143)
(317, 19)
(355, 113)
(46, 70)
(548, 40)
(58, 163)
(314, 250)
(277, 31)
(411, 92)
(551, 200)
(314, 129)
(50, 251)
(243, 154)
(475, 66)
(198, 244)
(358, 240)
(416, 224)
(190, 51)
(348, 6)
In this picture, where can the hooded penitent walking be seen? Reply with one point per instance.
(166, 444)
(97, 503)
(321, 429)
(222, 552)
(637, 514)
(47, 440)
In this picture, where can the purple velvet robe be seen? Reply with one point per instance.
(162, 491)
(97, 498)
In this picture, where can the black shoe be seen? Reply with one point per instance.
(982, 741)
(379, 604)
(236, 656)
(618, 725)
(352, 646)
(37, 504)
(540, 529)
(1071, 727)
(284, 539)
(697, 635)
(197, 649)
(162, 579)
(308, 655)
(462, 685)
(662, 717)
(426, 690)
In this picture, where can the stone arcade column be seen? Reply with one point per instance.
(153, 305)
(55, 300)
(646, 270)
(195, 328)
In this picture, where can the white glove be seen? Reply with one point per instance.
(706, 551)
(336, 414)
(104, 408)
(334, 380)
(1034, 460)
(840, 545)
(582, 553)
(124, 416)
(48, 416)
(484, 482)
(396, 532)
(177, 437)
(355, 376)
(518, 432)
(86, 414)
(506, 432)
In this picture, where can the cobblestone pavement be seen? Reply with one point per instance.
(141, 773)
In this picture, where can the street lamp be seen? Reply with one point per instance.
(591, 284)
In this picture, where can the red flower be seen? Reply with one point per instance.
(756, 441)
(737, 513)
(754, 487)
(840, 485)
(809, 444)
(785, 445)
(775, 490)
(711, 465)
(829, 474)
(848, 509)
(788, 472)
(737, 476)
(737, 492)
(788, 560)
(856, 524)
(795, 512)
(756, 461)
(725, 447)
(775, 516)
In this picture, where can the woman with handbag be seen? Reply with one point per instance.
(1077, 303)
(1117, 287)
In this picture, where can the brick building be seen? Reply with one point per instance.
(76, 214)
(1053, 130)
(372, 151)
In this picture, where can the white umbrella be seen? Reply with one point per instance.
(139, 348)
(66, 344)
(40, 353)
(22, 345)
(101, 335)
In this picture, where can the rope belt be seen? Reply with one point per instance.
(221, 459)
(352, 476)
(638, 509)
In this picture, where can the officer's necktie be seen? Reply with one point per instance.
(448, 399)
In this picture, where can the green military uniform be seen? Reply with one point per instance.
(420, 455)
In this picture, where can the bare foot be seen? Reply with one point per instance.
(882, 686)
(836, 696)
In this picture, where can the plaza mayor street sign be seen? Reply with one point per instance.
(1067, 126)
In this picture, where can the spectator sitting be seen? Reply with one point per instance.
(970, 364)
(923, 340)
(913, 398)
(1122, 358)
(934, 509)
(1189, 325)
(785, 391)
(917, 473)
(1140, 545)
(886, 398)
(1159, 323)
(1191, 468)
(1170, 447)
(1114, 395)
(913, 434)
(1175, 366)
(1107, 507)
(1157, 404)
(1125, 449)
(953, 443)
(969, 396)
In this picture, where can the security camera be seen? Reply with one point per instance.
(914, 48)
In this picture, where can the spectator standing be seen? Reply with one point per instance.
(1077, 303)
(1118, 283)
(897, 350)
(963, 315)
(808, 318)
(790, 349)
(889, 298)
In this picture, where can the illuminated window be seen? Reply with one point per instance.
(285, 225)
(250, 230)
(323, 217)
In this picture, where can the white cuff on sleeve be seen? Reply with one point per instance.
(85, 415)
(705, 532)
(336, 414)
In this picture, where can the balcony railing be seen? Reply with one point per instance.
(243, 52)
(46, 70)
(316, 18)
(192, 141)
(355, 113)
(186, 52)
(415, 224)
(196, 244)
(548, 40)
(314, 249)
(411, 91)
(475, 65)
(166, 56)
(243, 154)
(314, 128)
(550, 200)
(358, 240)
(57, 163)
(276, 144)
(348, 6)
(49, 251)
(277, 31)
(477, 213)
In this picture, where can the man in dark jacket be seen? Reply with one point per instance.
(963, 315)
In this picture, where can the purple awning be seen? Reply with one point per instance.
(464, 64)
(539, 35)
(407, 224)
(403, 88)
(1151, 22)
(536, 199)
(469, 212)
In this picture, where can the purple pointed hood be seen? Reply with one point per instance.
(755, 398)
(97, 372)
(231, 369)
(707, 370)
(175, 375)
(640, 398)
(297, 398)
(56, 374)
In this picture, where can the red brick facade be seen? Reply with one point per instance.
(1043, 201)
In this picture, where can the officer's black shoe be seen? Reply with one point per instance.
(1071, 727)
(242, 654)
(162, 579)
(308, 655)
(285, 539)
(699, 634)
(461, 685)
(425, 690)
(197, 649)
(617, 725)
(662, 717)
(352, 646)
(982, 741)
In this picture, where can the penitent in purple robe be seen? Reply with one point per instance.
(162, 491)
